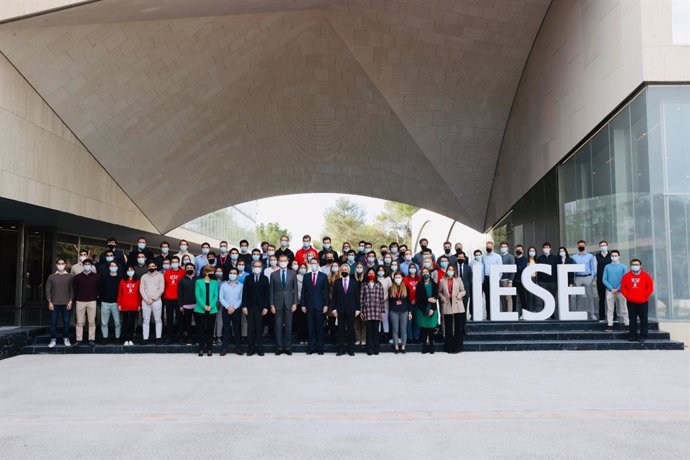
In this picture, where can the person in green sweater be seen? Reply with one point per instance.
(427, 314)
(206, 308)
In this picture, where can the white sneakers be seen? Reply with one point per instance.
(52, 343)
(66, 342)
(128, 343)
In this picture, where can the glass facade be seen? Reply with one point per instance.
(628, 184)
(232, 224)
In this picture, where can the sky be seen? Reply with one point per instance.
(303, 214)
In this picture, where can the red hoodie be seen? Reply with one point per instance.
(128, 296)
(172, 282)
(637, 288)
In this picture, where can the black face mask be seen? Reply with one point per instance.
(581, 248)
(190, 272)
(345, 274)
(489, 250)
(447, 251)
(423, 246)
(151, 270)
(329, 261)
(518, 252)
(458, 251)
(461, 261)
(111, 247)
(211, 261)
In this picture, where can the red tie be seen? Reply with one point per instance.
(313, 279)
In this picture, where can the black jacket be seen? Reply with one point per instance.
(422, 299)
(255, 295)
(548, 260)
(186, 294)
(346, 303)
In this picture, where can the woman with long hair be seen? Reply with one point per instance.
(399, 312)
(372, 305)
(427, 310)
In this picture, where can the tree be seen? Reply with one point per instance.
(346, 221)
(271, 232)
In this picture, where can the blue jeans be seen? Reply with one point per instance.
(109, 309)
(59, 310)
(412, 327)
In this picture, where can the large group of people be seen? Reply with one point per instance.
(358, 297)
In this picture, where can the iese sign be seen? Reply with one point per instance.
(564, 292)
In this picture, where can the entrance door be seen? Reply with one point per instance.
(9, 243)
(38, 264)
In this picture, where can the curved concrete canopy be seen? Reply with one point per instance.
(193, 105)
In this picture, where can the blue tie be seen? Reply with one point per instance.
(283, 278)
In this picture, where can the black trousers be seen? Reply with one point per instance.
(129, 322)
(315, 319)
(204, 330)
(187, 315)
(299, 325)
(372, 327)
(601, 292)
(427, 334)
(283, 327)
(232, 324)
(172, 315)
(521, 295)
(454, 326)
(640, 310)
(487, 296)
(346, 331)
(254, 330)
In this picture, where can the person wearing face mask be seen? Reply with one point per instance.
(223, 259)
(395, 267)
(299, 318)
(448, 252)
(395, 252)
(346, 308)
(603, 258)
(255, 304)
(563, 259)
(283, 298)
(423, 247)
(399, 311)
(184, 251)
(411, 280)
(140, 266)
(235, 261)
(489, 259)
(271, 267)
(386, 261)
(548, 282)
(507, 279)
(521, 262)
(264, 251)
(332, 271)
(464, 272)
(172, 278)
(451, 292)
(218, 325)
(343, 255)
(109, 285)
(242, 272)
(405, 264)
(383, 275)
(230, 299)
(371, 261)
(476, 265)
(327, 250)
(186, 300)
(151, 288)
(206, 309)
(245, 256)
(306, 252)
(372, 305)
(351, 260)
(86, 287)
(613, 275)
(129, 305)
(118, 254)
(427, 310)
(361, 252)
(284, 249)
(79, 266)
(268, 322)
(429, 265)
(104, 265)
(165, 254)
(201, 260)
(584, 278)
(637, 286)
(315, 305)
(360, 330)
(59, 295)
(139, 250)
(531, 298)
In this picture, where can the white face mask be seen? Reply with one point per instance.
(334, 269)
(272, 263)
(130, 273)
(60, 267)
(302, 271)
(562, 254)
(450, 273)
(283, 264)
(603, 248)
(183, 248)
(614, 259)
(532, 253)
(547, 251)
(398, 280)
(478, 258)
(87, 268)
(82, 258)
(408, 257)
(314, 267)
(256, 270)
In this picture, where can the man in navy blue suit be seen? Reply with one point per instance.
(315, 305)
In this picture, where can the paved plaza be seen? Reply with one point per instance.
(616, 404)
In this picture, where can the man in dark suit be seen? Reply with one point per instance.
(315, 305)
(465, 274)
(255, 301)
(283, 300)
(346, 307)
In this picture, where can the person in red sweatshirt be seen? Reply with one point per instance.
(637, 286)
(304, 255)
(172, 278)
(129, 303)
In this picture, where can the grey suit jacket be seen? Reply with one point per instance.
(280, 297)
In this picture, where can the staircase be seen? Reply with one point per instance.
(482, 336)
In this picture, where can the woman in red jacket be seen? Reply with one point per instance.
(637, 286)
(129, 303)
